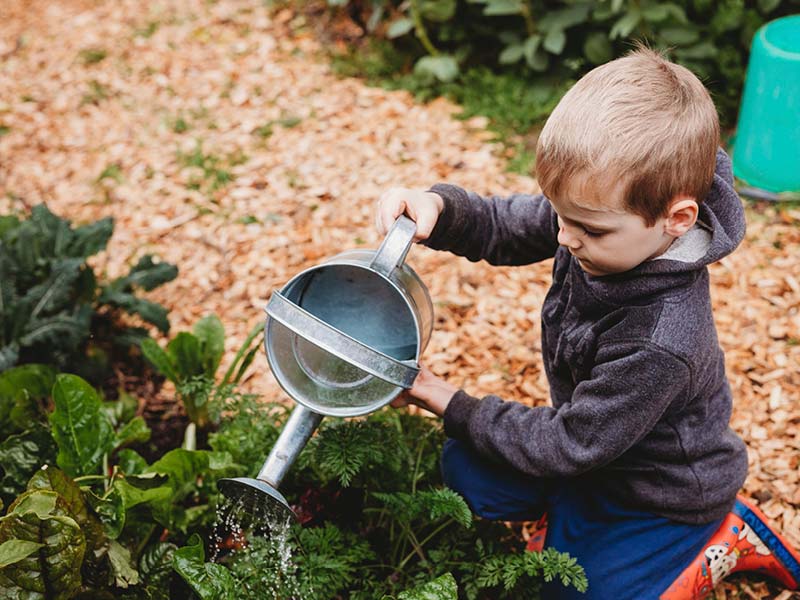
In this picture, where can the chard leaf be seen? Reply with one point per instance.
(20, 456)
(121, 567)
(184, 349)
(111, 511)
(441, 67)
(151, 491)
(209, 581)
(53, 479)
(40, 502)
(52, 572)
(185, 470)
(211, 334)
(122, 410)
(136, 490)
(12, 551)
(81, 427)
(183, 467)
(136, 430)
(130, 462)
(160, 359)
(22, 392)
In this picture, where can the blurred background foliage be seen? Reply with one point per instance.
(512, 60)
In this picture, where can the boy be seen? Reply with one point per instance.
(634, 463)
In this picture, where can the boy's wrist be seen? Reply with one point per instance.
(431, 392)
(437, 200)
(437, 396)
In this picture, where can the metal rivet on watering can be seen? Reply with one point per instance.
(766, 151)
(343, 339)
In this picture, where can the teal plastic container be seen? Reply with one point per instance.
(766, 152)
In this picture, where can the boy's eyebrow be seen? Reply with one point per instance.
(604, 228)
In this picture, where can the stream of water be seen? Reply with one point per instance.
(254, 540)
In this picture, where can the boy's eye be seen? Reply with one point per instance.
(591, 233)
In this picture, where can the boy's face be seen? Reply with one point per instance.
(601, 234)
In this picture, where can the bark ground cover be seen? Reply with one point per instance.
(219, 140)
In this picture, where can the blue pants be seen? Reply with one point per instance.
(625, 553)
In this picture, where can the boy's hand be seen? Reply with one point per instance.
(429, 392)
(421, 207)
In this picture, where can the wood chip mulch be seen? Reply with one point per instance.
(219, 140)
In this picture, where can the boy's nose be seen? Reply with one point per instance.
(568, 238)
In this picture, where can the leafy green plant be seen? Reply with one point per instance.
(191, 360)
(89, 516)
(52, 305)
(445, 39)
(370, 501)
(89, 525)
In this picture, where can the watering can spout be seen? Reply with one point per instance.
(262, 491)
(255, 497)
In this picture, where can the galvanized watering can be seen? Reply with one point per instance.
(343, 339)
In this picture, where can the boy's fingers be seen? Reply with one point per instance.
(401, 400)
(425, 223)
(398, 201)
(389, 208)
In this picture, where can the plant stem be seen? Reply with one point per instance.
(419, 29)
(140, 546)
(530, 26)
(428, 538)
(88, 478)
(417, 463)
(190, 437)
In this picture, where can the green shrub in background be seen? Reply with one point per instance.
(53, 308)
(551, 43)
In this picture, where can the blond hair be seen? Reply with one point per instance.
(640, 121)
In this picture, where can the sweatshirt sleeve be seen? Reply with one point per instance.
(627, 393)
(518, 230)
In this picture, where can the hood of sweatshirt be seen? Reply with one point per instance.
(721, 217)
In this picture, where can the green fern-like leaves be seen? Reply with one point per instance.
(434, 504)
(509, 569)
(346, 449)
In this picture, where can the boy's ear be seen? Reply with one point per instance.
(682, 215)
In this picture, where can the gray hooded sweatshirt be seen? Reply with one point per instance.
(640, 400)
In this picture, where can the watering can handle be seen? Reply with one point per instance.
(341, 345)
(394, 248)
